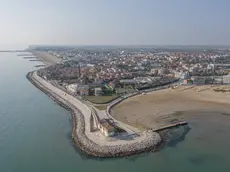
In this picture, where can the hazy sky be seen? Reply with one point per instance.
(102, 22)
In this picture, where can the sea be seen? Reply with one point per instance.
(35, 135)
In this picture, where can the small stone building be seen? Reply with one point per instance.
(106, 128)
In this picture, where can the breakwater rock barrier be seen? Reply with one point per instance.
(85, 141)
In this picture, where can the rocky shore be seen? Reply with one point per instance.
(89, 146)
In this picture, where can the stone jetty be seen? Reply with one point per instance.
(86, 140)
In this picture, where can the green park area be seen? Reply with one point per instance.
(100, 99)
(101, 107)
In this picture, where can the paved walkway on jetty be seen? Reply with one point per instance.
(86, 112)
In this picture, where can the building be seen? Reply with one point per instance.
(72, 88)
(226, 79)
(211, 67)
(115, 83)
(106, 128)
(185, 75)
(217, 80)
(98, 92)
(128, 81)
(79, 71)
(185, 82)
(198, 80)
(209, 80)
(163, 71)
(83, 90)
(154, 71)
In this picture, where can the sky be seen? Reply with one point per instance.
(114, 22)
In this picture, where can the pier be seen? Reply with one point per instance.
(171, 126)
(26, 55)
(12, 51)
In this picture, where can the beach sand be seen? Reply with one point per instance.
(162, 107)
(46, 57)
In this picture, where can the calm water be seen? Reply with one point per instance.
(35, 135)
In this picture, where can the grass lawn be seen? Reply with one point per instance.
(101, 107)
(100, 99)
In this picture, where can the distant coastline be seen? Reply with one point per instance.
(46, 57)
(146, 111)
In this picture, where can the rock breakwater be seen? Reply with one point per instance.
(89, 146)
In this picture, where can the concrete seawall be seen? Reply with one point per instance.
(117, 101)
(149, 141)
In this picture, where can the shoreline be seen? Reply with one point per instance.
(147, 142)
(157, 109)
(47, 58)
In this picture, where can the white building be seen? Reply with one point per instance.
(226, 79)
(128, 81)
(80, 89)
(211, 67)
(72, 88)
(218, 80)
(106, 128)
(98, 92)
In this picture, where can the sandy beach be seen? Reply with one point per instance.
(162, 107)
(46, 57)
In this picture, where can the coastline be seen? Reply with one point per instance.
(47, 58)
(148, 141)
(157, 109)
